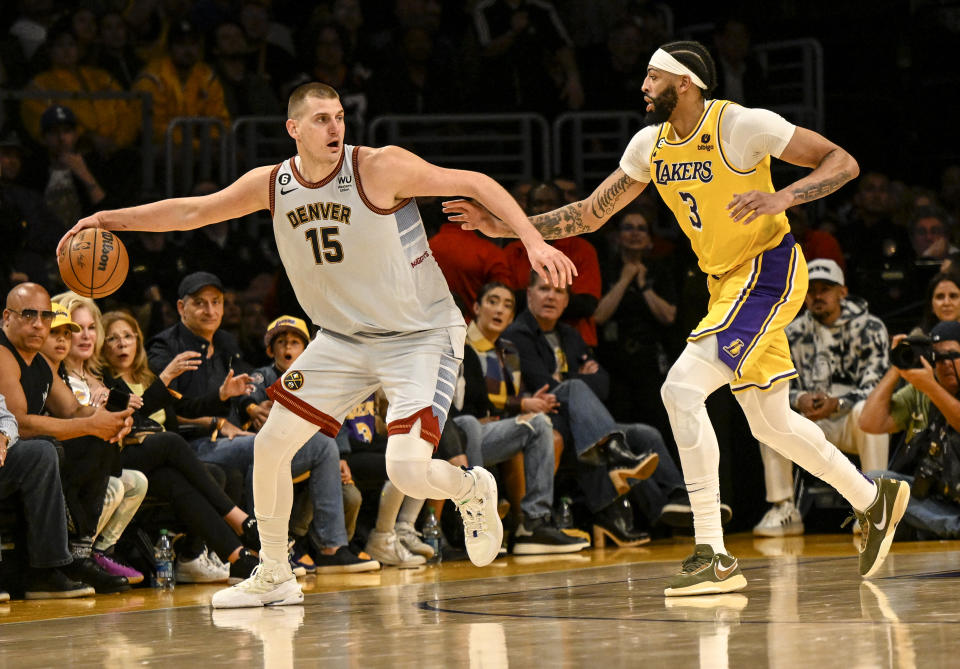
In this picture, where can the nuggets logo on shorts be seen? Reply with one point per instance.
(733, 348)
(293, 381)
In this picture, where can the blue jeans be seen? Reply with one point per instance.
(319, 456)
(502, 439)
(587, 419)
(931, 516)
(32, 469)
(666, 483)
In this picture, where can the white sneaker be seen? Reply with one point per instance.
(482, 529)
(410, 538)
(387, 549)
(781, 520)
(201, 570)
(269, 585)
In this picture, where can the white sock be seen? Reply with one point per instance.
(773, 422)
(695, 375)
(278, 440)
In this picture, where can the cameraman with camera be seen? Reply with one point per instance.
(928, 410)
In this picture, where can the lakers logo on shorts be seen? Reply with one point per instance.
(734, 348)
(293, 381)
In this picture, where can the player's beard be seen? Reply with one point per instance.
(663, 106)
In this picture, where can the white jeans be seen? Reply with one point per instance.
(845, 434)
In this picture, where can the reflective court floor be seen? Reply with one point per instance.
(805, 605)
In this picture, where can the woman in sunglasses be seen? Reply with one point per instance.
(175, 474)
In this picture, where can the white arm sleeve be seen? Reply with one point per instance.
(636, 157)
(749, 135)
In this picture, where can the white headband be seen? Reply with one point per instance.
(664, 61)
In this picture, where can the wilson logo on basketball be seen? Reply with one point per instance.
(293, 381)
(106, 248)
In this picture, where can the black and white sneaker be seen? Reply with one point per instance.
(536, 536)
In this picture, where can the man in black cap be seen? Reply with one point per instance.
(215, 403)
(927, 409)
(64, 176)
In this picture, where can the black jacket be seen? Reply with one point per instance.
(198, 386)
(537, 361)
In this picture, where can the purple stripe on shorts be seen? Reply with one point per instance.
(770, 290)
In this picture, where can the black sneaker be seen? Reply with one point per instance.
(243, 567)
(343, 562)
(536, 536)
(250, 537)
(54, 584)
(88, 571)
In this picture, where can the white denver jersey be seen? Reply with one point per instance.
(355, 268)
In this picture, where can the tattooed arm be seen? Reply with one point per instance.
(583, 216)
(832, 167)
(576, 218)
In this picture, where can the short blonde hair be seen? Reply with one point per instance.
(313, 89)
(71, 302)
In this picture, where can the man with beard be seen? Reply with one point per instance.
(710, 161)
(841, 354)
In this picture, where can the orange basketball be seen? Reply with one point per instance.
(94, 263)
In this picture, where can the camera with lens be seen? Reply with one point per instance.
(928, 472)
(909, 353)
(938, 470)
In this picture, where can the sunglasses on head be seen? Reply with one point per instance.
(33, 314)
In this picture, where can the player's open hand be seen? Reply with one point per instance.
(473, 216)
(552, 266)
(757, 203)
(82, 224)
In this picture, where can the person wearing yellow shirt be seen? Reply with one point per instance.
(107, 124)
(182, 84)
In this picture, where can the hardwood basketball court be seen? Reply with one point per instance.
(805, 605)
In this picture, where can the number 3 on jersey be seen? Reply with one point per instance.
(694, 214)
(324, 246)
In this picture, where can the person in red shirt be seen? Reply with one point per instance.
(468, 263)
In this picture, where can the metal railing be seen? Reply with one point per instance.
(587, 145)
(193, 152)
(508, 147)
(147, 175)
(794, 70)
(256, 141)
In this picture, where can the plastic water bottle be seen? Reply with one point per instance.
(163, 556)
(431, 535)
(565, 517)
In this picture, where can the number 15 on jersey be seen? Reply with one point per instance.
(323, 244)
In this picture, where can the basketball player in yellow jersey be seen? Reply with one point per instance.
(710, 161)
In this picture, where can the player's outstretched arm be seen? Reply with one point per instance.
(248, 194)
(397, 171)
(832, 167)
(576, 218)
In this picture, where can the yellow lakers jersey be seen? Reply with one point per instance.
(697, 183)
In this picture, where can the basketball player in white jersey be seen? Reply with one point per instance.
(354, 247)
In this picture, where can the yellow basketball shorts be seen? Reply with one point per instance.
(749, 308)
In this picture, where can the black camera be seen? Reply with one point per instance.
(910, 351)
(938, 470)
(928, 473)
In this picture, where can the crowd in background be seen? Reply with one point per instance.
(892, 235)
